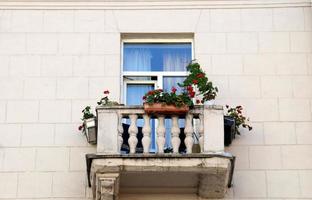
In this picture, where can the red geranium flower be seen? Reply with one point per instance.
(144, 97)
(201, 75)
(80, 127)
(195, 81)
(106, 92)
(173, 89)
(197, 101)
(192, 94)
(189, 88)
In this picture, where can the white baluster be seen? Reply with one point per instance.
(133, 131)
(120, 131)
(175, 132)
(146, 140)
(201, 132)
(161, 130)
(188, 133)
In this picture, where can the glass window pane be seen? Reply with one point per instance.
(156, 56)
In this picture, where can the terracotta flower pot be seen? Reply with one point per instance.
(164, 109)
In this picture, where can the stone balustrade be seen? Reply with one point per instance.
(110, 129)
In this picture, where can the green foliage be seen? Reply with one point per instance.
(198, 78)
(86, 114)
(237, 115)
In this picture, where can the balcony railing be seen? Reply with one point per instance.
(110, 129)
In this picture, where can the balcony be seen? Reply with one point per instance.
(113, 172)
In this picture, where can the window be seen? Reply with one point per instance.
(153, 63)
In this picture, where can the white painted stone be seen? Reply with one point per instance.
(291, 64)
(48, 110)
(308, 18)
(63, 184)
(224, 20)
(112, 65)
(42, 43)
(309, 63)
(189, 130)
(39, 88)
(249, 86)
(274, 42)
(203, 25)
(222, 83)
(305, 178)
(34, 185)
(5, 20)
(146, 130)
(37, 135)
(303, 132)
(19, 159)
(2, 111)
(4, 68)
(242, 42)
(10, 135)
(157, 20)
(8, 182)
(52, 159)
(56, 66)
(294, 110)
(22, 111)
(259, 158)
(259, 64)
(301, 42)
(227, 64)
(99, 43)
(98, 85)
(283, 184)
(74, 43)
(288, 19)
(279, 133)
(249, 184)
(250, 138)
(276, 86)
(78, 157)
(72, 88)
(133, 131)
(259, 19)
(69, 135)
(107, 141)
(213, 130)
(26, 65)
(210, 43)
(262, 110)
(58, 21)
(302, 86)
(12, 43)
(89, 66)
(242, 156)
(205, 61)
(89, 21)
(295, 156)
(111, 25)
(27, 21)
(11, 88)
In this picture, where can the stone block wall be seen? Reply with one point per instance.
(54, 62)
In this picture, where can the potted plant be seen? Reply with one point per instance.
(104, 101)
(88, 126)
(233, 120)
(196, 89)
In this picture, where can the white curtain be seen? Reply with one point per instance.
(137, 59)
(175, 61)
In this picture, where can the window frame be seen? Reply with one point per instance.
(159, 74)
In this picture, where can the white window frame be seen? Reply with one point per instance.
(161, 74)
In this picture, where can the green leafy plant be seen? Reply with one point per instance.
(198, 84)
(104, 101)
(86, 114)
(169, 98)
(239, 118)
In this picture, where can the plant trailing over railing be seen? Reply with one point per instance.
(104, 101)
(239, 118)
(198, 84)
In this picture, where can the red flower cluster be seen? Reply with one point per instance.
(173, 90)
(106, 92)
(195, 81)
(80, 127)
(190, 91)
(201, 75)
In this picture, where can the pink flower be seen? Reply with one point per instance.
(144, 98)
(106, 92)
(80, 127)
(173, 89)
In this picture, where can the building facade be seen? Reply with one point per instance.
(58, 56)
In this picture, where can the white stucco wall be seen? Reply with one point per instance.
(54, 62)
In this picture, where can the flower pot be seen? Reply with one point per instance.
(164, 109)
(90, 130)
(229, 130)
